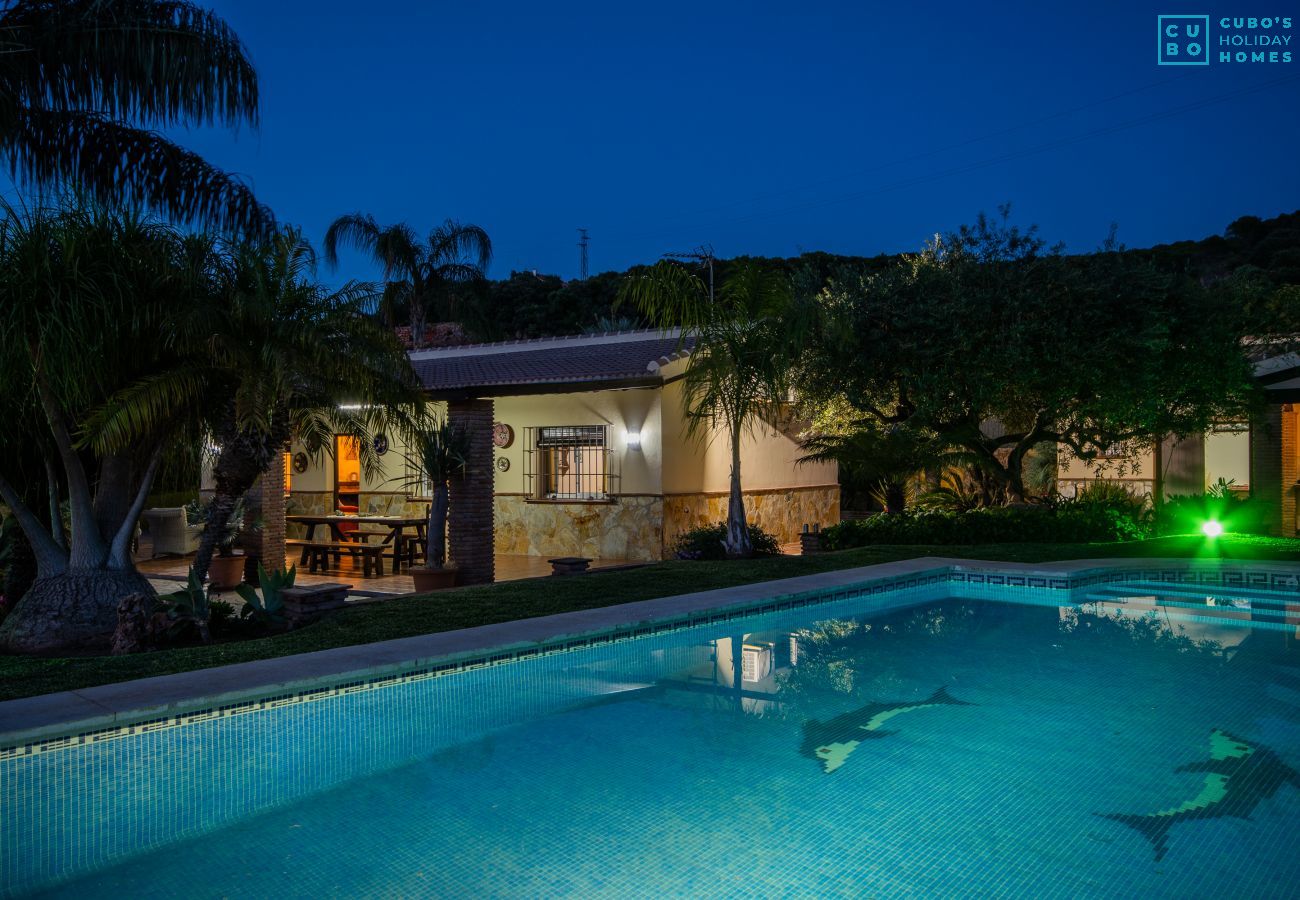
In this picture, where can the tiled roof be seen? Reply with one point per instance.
(580, 362)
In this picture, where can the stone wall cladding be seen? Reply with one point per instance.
(307, 503)
(782, 513)
(629, 528)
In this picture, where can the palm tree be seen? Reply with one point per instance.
(84, 84)
(416, 273)
(278, 358)
(87, 297)
(745, 343)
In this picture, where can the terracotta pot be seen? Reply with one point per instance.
(226, 572)
(429, 579)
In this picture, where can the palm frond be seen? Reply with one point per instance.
(162, 62)
(116, 163)
(146, 408)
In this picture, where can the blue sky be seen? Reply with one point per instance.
(759, 128)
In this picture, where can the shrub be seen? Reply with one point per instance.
(221, 617)
(1185, 513)
(1068, 522)
(1110, 494)
(706, 542)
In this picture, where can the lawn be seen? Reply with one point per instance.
(466, 607)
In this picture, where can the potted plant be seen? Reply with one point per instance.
(438, 453)
(227, 568)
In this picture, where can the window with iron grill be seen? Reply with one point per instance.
(568, 462)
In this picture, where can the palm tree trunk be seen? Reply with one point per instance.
(214, 527)
(737, 544)
(435, 551)
(242, 459)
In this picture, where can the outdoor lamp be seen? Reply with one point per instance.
(1211, 528)
(632, 439)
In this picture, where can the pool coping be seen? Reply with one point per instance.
(28, 720)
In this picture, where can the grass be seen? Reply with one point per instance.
(467, 607)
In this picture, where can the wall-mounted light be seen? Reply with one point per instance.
(632, 439)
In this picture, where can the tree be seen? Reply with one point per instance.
(84, 84)
(883, 463)
(87, 297)
(279, 357)
(995, 344)
(745, 341)
(417, 273)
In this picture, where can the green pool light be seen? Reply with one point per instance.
(1211, 528)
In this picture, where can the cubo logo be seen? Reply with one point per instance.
(1183, 41)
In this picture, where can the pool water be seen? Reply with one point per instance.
(1132, 739)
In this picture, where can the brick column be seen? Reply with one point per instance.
(1273, 465)
(469, 520)
(1290, 469)
(265, 504)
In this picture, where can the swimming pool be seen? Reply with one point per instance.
(948, 732)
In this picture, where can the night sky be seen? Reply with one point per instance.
(758, 128)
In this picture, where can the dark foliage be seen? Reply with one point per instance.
(1068, 522)
(528, 304)
(707, 542)
(1236, 512)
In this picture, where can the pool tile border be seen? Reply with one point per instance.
(950, 572)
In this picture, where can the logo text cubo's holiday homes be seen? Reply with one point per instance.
(1195, 40)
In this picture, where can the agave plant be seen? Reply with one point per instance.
(268, 607)
(188, 607)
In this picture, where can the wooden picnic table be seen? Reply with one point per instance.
(396, 525)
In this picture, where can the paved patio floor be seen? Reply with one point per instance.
(164, 571)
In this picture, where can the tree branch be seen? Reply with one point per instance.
(51, 559)
(87, 543)
(117, 553)
(56, 514)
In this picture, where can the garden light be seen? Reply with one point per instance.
(1211, 528)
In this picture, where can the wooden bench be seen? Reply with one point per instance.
(316, 554)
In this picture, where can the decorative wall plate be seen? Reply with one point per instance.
(300, 462)
(503, 464)
(381, 443)
(502, 435)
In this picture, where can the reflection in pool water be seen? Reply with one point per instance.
(677, 764)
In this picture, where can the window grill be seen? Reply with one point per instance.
(568, 462)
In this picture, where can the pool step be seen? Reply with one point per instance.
(1255, 616)
(1198, 597)
(1271, 603)
(1201, 590)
